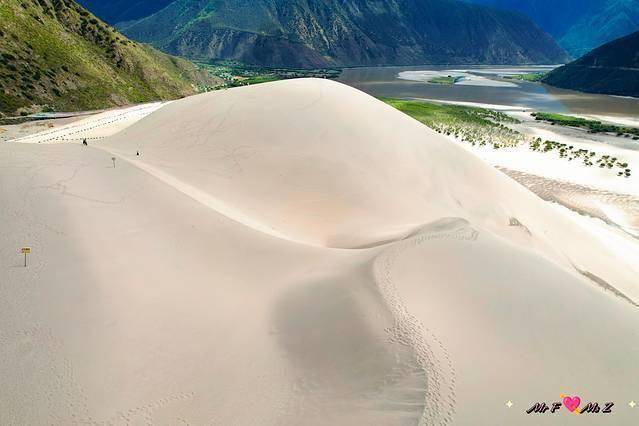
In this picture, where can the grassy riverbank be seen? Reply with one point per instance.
(537, 76)
(478, 126)
(485, 127)
(444, 80)
(592, 126)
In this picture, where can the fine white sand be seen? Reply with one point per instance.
(466, 78)
(94, 127)
(622, 121)
(299, 253)
(508, 71)
(550, 165)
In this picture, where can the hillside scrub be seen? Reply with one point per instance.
(55, 55)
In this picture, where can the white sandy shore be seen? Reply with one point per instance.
(506, 71)
(550, 165)
(591, 191)
(465, 78)
(587, 190)
(622, 121)
(272, 258)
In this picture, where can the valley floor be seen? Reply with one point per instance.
(287, 262)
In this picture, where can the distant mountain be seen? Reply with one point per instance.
(317, 33)
(617, 19)
(612, 69)
(580, 26)
(114, 11)
(55, 53)
(554, 16)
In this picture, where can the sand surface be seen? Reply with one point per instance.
(591, 191)
(465, 78)
(92, 128)
(272, 258)
(9, 132)
(616, 209)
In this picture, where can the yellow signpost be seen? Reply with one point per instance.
(26, 251)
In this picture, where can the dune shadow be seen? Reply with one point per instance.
(334, 336)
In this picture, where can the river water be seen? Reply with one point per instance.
(488, 87)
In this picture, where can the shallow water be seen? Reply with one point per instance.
(385, 82)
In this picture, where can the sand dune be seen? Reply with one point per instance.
(333, 179)
(298, 253)
(621, 210)
(93, 128)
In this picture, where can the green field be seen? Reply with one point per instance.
(447, 81)
(592, 126)
(235, 74)
(537, 76)
(478, 126)
(432, 113)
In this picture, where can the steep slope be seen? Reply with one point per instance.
(578, 26)
(114, 11)
(311, 33)
(57, 54)
(611, 69)
(294, 188)
(198, 282)
(554, 16)
(618, 19)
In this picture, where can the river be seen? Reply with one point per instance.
(488, 88)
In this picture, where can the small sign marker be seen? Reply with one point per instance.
(26, 251)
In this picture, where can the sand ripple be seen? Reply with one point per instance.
(619, 210)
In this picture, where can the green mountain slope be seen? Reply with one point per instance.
(312, 33)
(55, 53)
(114, 11)
(612, 69)
(617, 19)
(554, 16)
(579, 26)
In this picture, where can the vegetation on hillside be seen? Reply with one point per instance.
(614, 19)
(114, 11)
(484, 127)
(610, 69)
(54, 55)
(324, 33)
(554, 16)
(578, 25)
